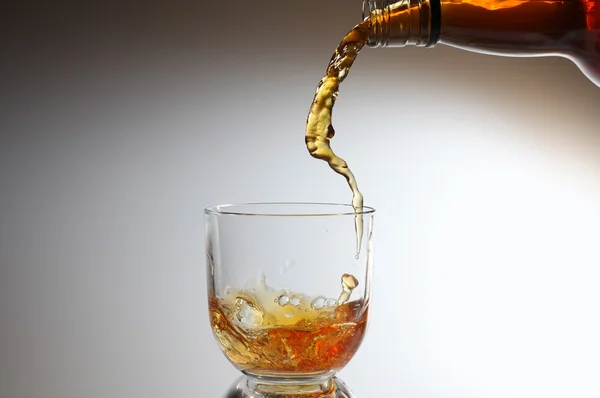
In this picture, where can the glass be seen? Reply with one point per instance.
(566, 28)
(288, 295)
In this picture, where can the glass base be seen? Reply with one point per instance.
(263, 387)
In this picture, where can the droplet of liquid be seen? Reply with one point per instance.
(318, 303)
(248, 313)
(349, 283)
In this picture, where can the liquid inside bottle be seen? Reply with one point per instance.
(567, 28)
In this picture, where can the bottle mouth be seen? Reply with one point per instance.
(377, 12)
(397, 23)
(366, 9)
(369, 6)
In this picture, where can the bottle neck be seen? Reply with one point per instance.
(403, 22)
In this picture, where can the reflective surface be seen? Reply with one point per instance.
(288, 296)
(334, 388)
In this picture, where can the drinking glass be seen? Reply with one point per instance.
(288, 294)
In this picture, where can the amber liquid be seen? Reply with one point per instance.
(319, 129)
(569, 28)
(287, 339)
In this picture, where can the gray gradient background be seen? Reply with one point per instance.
(120, 122)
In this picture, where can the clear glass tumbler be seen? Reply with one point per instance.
(288, 295)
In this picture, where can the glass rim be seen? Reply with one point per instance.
(343, 209)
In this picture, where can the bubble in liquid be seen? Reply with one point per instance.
(283, 300)
(289, 312)
(330, 303)
(248, 313)
(295, 301)
(318, 303)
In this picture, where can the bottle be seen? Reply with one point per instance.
(519, 28)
